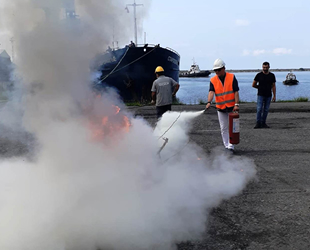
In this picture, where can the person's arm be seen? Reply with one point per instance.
(210, 98)
(153, 93)
(210, 95)
(274, 92)
(256, 81)
(153, 97)
(236, 107)
(254, 84)
(176, 88)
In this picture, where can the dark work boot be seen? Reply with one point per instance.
(258, 125)
(264, 125)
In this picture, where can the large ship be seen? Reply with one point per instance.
(131, 69)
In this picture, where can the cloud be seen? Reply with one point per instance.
(246, 52)
(242, 22)
(281, 51)
(258, 52)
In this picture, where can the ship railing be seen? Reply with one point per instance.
(154, 45)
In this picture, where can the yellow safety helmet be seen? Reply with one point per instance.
(159, 69)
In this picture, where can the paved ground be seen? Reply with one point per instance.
(273, 212)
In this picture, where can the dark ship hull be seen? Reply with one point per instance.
(200, 74)
(290, 82)
(130, 70)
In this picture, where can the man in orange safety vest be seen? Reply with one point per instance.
(225, 87)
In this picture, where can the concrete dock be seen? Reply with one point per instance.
(273, 212)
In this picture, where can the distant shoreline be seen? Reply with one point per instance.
(257, 70)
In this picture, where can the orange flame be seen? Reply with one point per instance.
(117, 109)
(109, 126)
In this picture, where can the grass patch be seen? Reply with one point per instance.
(205, 102)
(298, 99)
(176, 101)
(200, 101)
(133, 104)
(240, 101)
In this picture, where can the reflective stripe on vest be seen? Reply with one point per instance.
(224, 95)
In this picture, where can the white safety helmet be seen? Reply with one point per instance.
(218, 63)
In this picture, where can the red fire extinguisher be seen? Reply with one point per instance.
(234, 128)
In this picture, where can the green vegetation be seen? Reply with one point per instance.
(298, 99)
(176, 101)
(200, 101)
(203, 102)
(133, 104)
(240, 101)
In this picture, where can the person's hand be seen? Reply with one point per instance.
(208, 105)
(152, 102)
(274, 99)
(236, 109)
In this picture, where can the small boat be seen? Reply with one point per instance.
(290, 79)
(195, 71)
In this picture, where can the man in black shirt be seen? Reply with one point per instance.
(266, 82)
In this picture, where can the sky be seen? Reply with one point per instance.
(243, 33)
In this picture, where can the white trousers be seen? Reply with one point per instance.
(223, 119)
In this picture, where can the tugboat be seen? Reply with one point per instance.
(195, 71)
(130, 70)
(290, 79)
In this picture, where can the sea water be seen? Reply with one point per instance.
(195, 90)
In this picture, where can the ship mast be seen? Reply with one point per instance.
(13, 52)
(134, 5)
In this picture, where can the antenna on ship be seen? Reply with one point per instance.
(135, 17)
(13, 52)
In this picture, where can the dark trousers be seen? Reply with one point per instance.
(263, 103)
(162, 109)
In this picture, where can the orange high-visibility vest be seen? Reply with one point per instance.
(224, 95)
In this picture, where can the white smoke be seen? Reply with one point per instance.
(95, 182)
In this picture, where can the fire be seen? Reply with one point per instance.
(105, 120)
(117, 109)
(109, 126)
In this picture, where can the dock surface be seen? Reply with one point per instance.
(273, 212)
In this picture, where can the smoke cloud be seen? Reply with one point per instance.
(97, 178)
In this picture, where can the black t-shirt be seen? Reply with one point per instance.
(265, 83)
